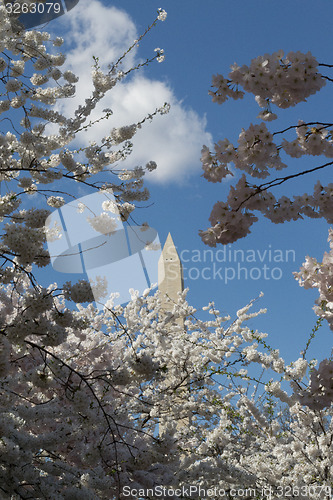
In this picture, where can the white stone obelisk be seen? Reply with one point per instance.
(170, 275)
(170, 282)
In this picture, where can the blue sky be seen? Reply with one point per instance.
(200, 39)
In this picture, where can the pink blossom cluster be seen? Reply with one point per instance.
(314, 274)
(283, 80)
(256, 154)
(311, 140)
(232, 220)
(319, 394)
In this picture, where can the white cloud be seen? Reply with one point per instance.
(92, 29)
(174, 140)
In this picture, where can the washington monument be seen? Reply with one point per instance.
(170, 275)
(170, 282)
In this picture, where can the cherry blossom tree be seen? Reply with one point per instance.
(280, 80)
(303, 427)
(130, 401)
